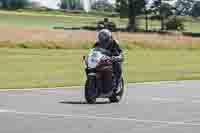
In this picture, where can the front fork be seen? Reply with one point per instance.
(91, 85)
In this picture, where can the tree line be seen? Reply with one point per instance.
(125, 7)
(159, 9)
(13, 4)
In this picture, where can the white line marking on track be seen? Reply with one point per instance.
(167, 100)
(195, 101)
(196, 97)
(3, 111)
(160, 99)
(33, 89)
(96, 117)
(72, 87)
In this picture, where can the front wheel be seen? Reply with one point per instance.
(90, 95)
(117, 96)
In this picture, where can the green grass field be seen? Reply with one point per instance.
(34, 19)
(26, 68)
(43, 21)
(28, 19)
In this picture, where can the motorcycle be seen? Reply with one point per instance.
(101, 80)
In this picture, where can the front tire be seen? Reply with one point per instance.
(117, 96)
(90, 97)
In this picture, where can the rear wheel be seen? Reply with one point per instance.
(90, 96)
(117, 96)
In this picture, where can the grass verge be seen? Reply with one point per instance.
(50, 20)
(27, 68)
(14, 37)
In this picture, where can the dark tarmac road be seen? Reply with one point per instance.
(167, 107)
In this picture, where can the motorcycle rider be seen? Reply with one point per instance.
(105, 40)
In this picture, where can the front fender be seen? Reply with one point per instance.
(91, 86)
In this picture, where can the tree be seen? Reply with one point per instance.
(166, 10)
(64, 4)
(4, 3)
(184, 7)
(163, 10)
(195, 12)
(175, 23)
(135, 7)
(131, 9)
(122, 8)
(70, 4)
(13, 4)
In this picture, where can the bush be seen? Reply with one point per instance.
(155, 17)
(110, 25)
(175, 23)
(103, 6)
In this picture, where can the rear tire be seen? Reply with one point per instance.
(89, 96)
(117, 96)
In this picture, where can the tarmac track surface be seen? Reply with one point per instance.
(167, 107)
